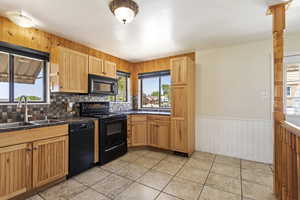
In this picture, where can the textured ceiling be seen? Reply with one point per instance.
(163, 27)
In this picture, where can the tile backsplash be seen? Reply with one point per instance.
(58, 107)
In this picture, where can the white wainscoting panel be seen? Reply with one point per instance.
(248, 139)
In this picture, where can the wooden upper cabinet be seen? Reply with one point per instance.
(110, 69)
(95, 66)
(15, 170)
(102, 68)
(68, 71)
(179, 70)
(50, 158)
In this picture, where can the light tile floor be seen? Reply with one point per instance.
(148, 174)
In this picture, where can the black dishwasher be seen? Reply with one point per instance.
(81, 147)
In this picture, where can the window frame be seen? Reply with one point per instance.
(290, 59)
(12, 51)
(127, 76)
(158, 74)
(288, 91)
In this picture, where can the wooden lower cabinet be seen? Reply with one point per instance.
(29, 159)
(15, 170)
(152, 134)
(139, 133)
(179, 135)
(151, 130)
(50, 158)
(159, 134)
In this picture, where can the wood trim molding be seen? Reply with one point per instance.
(159, 64)
(43, 41)
(278, 12)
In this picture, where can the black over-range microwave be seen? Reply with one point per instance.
(102, 85)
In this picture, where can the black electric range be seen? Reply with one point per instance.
(112, 130)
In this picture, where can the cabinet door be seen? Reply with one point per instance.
(95, 66)
(163, 135)
(179, 70)
(152, 134)
(79, 72)
(64, 65)
(71, 70)
(50, 158)
(139, 133)
(15, 170)
(179, 101)
(178, 135)
(110, 69)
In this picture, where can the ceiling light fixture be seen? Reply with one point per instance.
(20, 19)
(124, 10)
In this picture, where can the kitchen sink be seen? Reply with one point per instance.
(47, 121)
(20, 125)
(15, 125)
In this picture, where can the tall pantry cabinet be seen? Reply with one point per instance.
(183, 105)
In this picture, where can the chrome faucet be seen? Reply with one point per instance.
(26, 107)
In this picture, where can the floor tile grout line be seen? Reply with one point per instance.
(135, 181)
(149, 169)
(152, 168)
(173, 176)
(160, 191)
(90, 187)
(209, 171)
(132, 181)
(114, 173)
(221, 189)
(40, 196)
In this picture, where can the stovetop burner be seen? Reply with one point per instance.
(98, 110)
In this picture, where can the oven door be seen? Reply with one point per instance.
(102, 85)
(113, 138)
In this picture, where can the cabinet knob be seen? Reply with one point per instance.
(29, 149)
(35, 148)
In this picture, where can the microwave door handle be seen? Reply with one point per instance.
(115, 89)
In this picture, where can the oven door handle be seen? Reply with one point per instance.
(112, 148)
(115, 120)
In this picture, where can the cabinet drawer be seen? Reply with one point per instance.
(158, 118)
(138, 118)
(30, 135)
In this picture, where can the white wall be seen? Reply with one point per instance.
(293, 119)
(234, 99)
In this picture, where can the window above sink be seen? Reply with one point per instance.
(23, 72)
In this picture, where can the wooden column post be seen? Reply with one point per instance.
(298, 165)
(278, 12)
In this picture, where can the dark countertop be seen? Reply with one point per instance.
(77, 119)
(145, 112)
(59, 121)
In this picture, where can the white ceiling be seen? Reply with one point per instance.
(163, 27)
